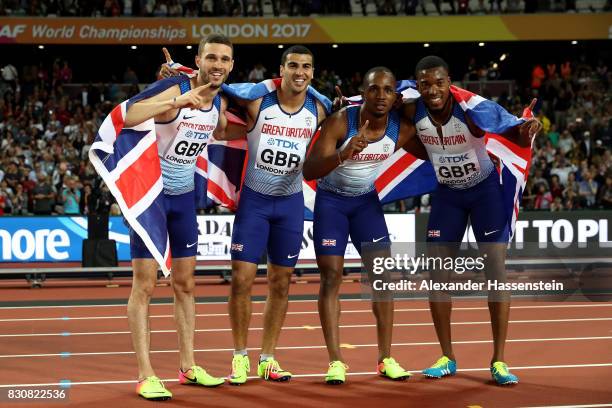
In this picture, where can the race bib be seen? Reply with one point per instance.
(456, 169)
(280, 155)
(186, 147)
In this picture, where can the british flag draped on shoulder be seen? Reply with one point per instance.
(128, 162)
(489, 116)
(514, 160)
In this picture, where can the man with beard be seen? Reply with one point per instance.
(185, 116)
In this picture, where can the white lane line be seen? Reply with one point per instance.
(608, 304)
(572, 406)
(367, 310)
(307, 327)
(305, 375)
(215, 350)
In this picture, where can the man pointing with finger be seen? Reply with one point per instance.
(185, 115)
(345, 158)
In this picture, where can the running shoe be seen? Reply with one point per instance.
(442, 368)
(336, 373)
(152, 388)
(270, 370)
(391, 369)
(240, 370)
(196, 375)
(501, 374)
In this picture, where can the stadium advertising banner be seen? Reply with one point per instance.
(305, 30)
(53, 239)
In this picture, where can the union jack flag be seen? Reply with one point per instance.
(328, 242)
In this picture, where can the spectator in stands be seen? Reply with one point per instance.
(604, 197)
(71, 196)
(258, 73)
(43, 195)
(543, 198)
(587, 189)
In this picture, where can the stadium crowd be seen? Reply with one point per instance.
(246, 8)
(46, 132)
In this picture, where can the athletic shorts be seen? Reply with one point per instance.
(182, 228)
(275, 223)
(482, 204)
(336, 217)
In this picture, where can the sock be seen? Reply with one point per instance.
(263, 357)
(242, 352)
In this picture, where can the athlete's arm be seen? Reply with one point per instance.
(321, 114)
(523, 134)
(164, 106)
(409, 141)
(324, 156)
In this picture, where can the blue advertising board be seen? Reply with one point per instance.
(53, 239)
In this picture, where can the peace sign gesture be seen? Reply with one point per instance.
(197, 98)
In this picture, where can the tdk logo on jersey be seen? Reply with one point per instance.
(455, 159)
(197, 135)
(285, 144)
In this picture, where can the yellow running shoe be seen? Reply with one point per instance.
(240, 370)
(336, 373)
(196, 375)
(270, 370)
(391, 369)
(152, 388)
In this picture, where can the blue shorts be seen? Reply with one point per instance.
(336, 217)
(182, 228)
(483, 204)
(272, 222)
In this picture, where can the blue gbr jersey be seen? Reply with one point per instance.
(459, 158)
(277, 146)
(180, 142)
(357, 174)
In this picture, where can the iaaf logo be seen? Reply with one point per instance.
(12, 31)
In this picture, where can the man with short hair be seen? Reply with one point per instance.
(271, 210)
(447, 135)
(186, 115)
(345, 159)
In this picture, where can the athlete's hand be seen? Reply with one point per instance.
(532, 126)
(165, 71)
(197, 98)
(340, 101)
(356, 144)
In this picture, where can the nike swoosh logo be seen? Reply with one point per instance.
(267, 118)
(422, 129)
(190, 245)
(291, 256)
(378, 239)
(189, 117)
(490, 232)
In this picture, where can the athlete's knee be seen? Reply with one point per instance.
(183, 284)
(331, 279)
(279, 283)
(143, 288)
(241, 284)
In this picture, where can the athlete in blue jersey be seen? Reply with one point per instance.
(270, 212)
(469, 188)
(185, 117)
(345, 159)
